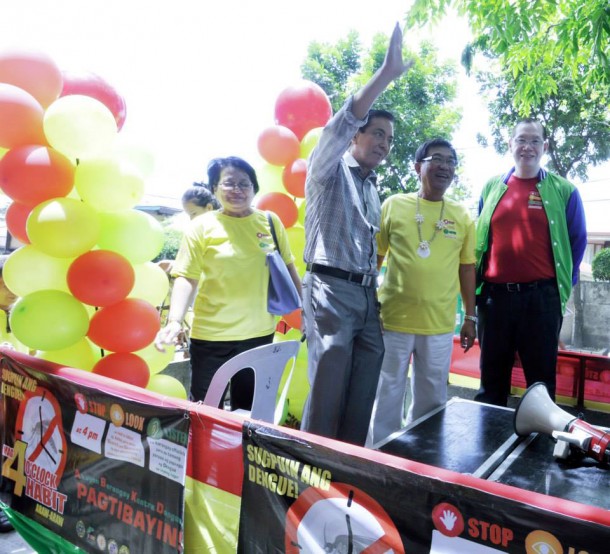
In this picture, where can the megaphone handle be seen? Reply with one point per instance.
(599, 439)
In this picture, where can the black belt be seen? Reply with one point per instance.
(518, 287)
(358, 278)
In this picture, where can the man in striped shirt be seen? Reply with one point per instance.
(340, 308)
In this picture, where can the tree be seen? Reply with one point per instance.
(421, 100)
(575, 117)
(528, 36)
(601, 265)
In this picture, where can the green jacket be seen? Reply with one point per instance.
(564, 210)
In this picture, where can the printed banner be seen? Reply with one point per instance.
(302, 497)
(104, 472)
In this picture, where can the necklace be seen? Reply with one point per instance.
(423, 250)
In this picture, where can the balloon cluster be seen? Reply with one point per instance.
(86, 283)
(301, 111)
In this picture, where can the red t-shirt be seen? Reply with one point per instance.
(520, 242)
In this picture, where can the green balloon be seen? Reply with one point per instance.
(49, 320)
(28, 270)
(309, 141)
(63, 227)
(167, 386)
(134, 234)
(301, 205)
(107, 184)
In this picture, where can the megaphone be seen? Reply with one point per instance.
(537, 413)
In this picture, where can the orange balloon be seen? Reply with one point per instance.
(281, 204)
(278, 145)
(100, 278)
(124, 366)
(20, 118)
(16, 218)
(293, 319)
(294, 176)
(126, 326)
(33, 174)
(34, 72)
(302, 107)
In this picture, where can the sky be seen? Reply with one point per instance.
(200, 79)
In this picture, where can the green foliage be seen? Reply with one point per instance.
(421, 100)
(171, 244)
(529, 36)
(576, 119)
(601, 265)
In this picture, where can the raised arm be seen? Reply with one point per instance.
(392, 68)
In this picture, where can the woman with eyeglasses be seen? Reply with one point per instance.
(222, 259)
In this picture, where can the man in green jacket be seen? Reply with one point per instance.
(531, 237)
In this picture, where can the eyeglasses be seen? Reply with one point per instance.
(230, 185)
(439, 160)
(536, 143)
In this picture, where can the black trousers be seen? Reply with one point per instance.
(524, 320)
(208, 356)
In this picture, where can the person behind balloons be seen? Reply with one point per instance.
(340, 305)
(198, 200)
(223, 258)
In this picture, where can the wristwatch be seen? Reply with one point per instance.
(472, 318)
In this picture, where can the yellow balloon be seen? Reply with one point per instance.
(157, 361)
(301, 218)
(107, 185)
(132, 233)
(309, 141)
(167, 385)
(151, 283)
(63, 227)
(270, 178)
(28, 269)
(81, 355)
(299, 385)
(296, 238)
(79, 126)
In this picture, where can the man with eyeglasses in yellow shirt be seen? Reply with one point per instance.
(429, 243)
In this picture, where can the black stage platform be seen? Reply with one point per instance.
(478, 439)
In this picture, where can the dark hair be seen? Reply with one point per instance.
(532, 121)
(422, 151)
(200, 195)
(383, 114)
(216, 166)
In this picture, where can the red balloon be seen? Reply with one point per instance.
(33, 174)
(281, 204)
(100, 278)
(16, 218)
(294, 176)
(302, 107)
(20, 118)
(293, 319)
(278, 145)
(34, 72)
(126, 326)
(124, 366)
(90, 84)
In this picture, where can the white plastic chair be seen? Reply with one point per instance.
(268, 363)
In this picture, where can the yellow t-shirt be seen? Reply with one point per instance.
(228, 257)
(419, 295)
